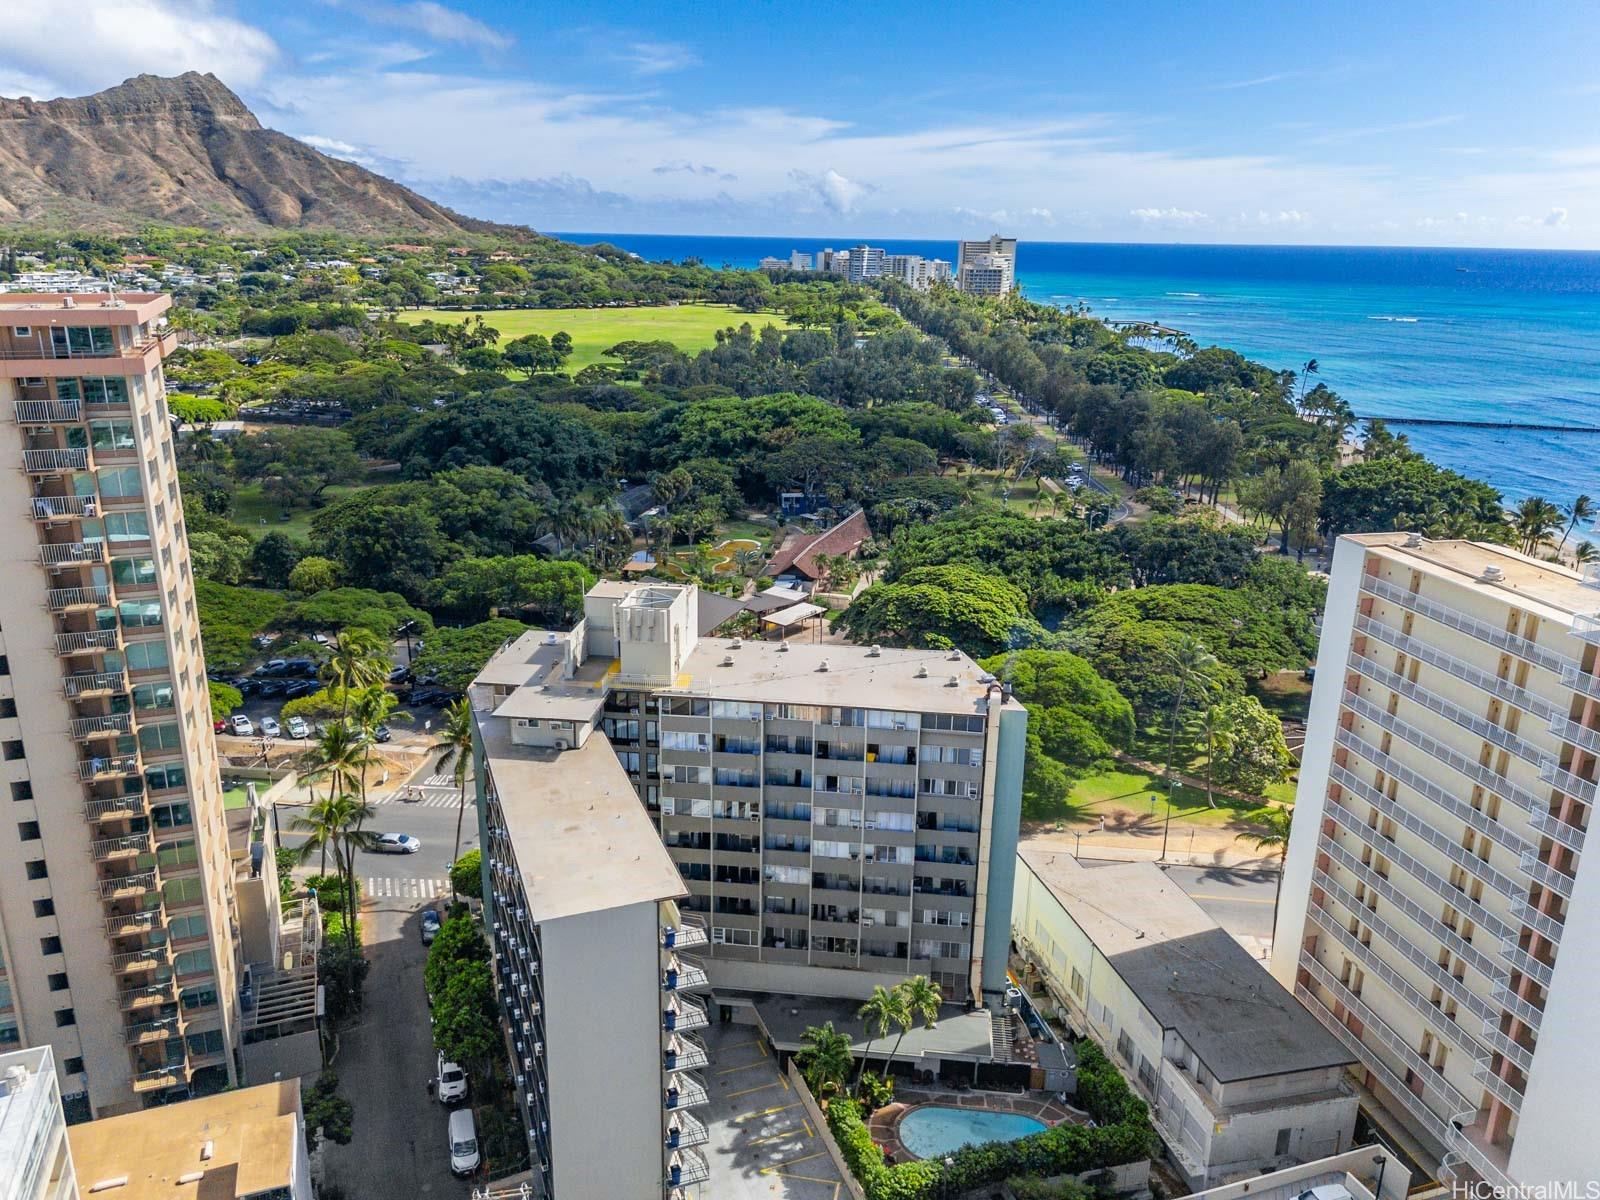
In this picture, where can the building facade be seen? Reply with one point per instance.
(988, 267)
(915, 271)
(114, 924)
(865, 262)
(1239, 1077)
(35, 1158)
(1437, 913)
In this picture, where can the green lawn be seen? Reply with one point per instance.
(1130, 788)
(259, 515)
(690, 327)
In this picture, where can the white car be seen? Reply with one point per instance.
(396, 843)
(241, 726)
(298, 727)
(269, 727)
(452, 1082)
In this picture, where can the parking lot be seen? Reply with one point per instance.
(762, 1143)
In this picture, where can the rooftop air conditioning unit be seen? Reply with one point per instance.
(954, 682)
(955, 656)
(783, 647)
(823, 665)
(922, 672)
(1493, 574)
(737, 643)
(727, 660)
(1413, 541)
(874, 650)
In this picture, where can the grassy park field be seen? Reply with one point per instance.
(690, 327)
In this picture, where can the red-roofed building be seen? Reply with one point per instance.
(799, 556)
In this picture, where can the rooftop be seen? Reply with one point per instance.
(20, 1099)
(582, 839)
(1191, 975)
(125, 308)
(1527, 582)
(801, 556)
(956, 1034)
(252, 1135)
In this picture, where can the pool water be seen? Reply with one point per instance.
(933, 1130)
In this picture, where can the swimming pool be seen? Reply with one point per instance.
(932, 1130)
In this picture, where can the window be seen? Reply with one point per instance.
(1077, 982)
(57, 981)
(21, 789)
(156, 738)
(139, 614)
(178, 854)
(168, 816)
(9, 1035)
(153, 695)
(37, 869)
(65, 1017)
(8, 706)
(1281, 1146)
(44, 908)
(119, 482)
(5, 669)
(147, 656)
(692, 742)
(204, 996)
(182, 891)
(1125, 1047)
(50, 945)
(13, 749)
(166, 776)
(181, 929)
(73, 1065)
(202, 1044)
(192, 962)
(133, 572)
(28, 831)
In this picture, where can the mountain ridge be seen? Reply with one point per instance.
(185, 150)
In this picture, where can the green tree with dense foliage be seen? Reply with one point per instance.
(824, 1059)
(1410, 493)
(454, 748)
(455, 656)
(313, 573)
(943, 607)
(1246, 748)
(531, 588)
(466, 875)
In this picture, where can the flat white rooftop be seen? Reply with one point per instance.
(1525, 582)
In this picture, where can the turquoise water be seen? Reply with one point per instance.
(1485, 335)
(934, 1130)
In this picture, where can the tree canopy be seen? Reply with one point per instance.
(943, 606)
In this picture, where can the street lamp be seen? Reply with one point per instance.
(1166, 827)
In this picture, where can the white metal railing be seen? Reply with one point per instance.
(88, 682)
(1579, 680)
(91, 639)
(685, 1091)
(1456, 619)
(1494, 1041)
(160, 1077)
(133, 843)
(1551, 772)
(1578, 735)
(47, 412)
(682, 976)
(49, 508)
(689, 1131)
(108, 766)
(1587, 626)
(686, 1167)
(1542, 872)
(686, 933)
(683, 1053)
(1483, 1071)
(1554, 828)
(1486, 729)
(146, 957)
(1483, 680)
(1519, 959)
(114, 806)
(152, 991)
(683, 1013)
(127, 924)
(59, 554)
(148, 1031)
(136, 884)
(1500, 785)
(48, 462)
(85, 727)
(73, 597)
(1466, 1149)
(1529, 1014)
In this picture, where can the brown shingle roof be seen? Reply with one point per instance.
(801, 557)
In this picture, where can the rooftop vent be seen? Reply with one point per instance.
(737, 642)
(874, 650)
(727, 660)
(823, 665)
(783, 647)
(549, 639)
(206, 1150)
(954, 656)
(192, 1177)
(105, 1185)
(922, 672)
(1492, 574)
(68, 302)
(1413, 541)
(954, 681)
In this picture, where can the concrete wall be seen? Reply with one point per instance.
(1358, 1170)
(1005, 749)
(603, 1051)
(820, 1123)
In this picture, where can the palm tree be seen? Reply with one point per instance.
(321, 824)
(1271, 832)
(1584, 553)
(825, 1061)
(920, 998)
(1306, 372)
(882, 1009)
(1534, 520)
(1583, 509)
(455, 747)
(357, 659)
(1188, 659)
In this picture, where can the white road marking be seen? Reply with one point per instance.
(386, 887)
(431, 798)
(448, 781)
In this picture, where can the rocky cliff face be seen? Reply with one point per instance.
(186, 151)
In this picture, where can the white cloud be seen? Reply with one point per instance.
(338, 149)
(1258, 81)
(435, 20)
(1168, 216)
(93, 43)
(657, 58)
(838, 193)
(1556, 217)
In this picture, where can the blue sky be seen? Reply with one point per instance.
(1470, 123)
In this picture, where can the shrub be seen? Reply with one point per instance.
(876, 1091)
(466, 874)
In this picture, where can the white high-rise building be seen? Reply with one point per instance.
(866, 262)
(916, 271)
(799, 260)
(1436, 913)
(35, 1158)
(987, 267)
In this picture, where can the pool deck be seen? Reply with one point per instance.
(885, 1123)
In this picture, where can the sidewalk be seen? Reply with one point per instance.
(1187, 845)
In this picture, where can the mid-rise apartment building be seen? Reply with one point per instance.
(35, 1158)
(987, 267)
(915, 271)
(1436, 911)
(866, 262)
(115, 918)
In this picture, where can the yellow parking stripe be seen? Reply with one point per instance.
(741, 1067)
(765, 1112)
(759, 1088)
(774, 1169)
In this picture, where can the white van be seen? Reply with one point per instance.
(463, 1135)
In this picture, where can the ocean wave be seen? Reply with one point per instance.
(1397, 320)
(1188, 295)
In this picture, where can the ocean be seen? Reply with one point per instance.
(1474, 335)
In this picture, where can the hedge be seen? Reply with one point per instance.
(1122, 1135)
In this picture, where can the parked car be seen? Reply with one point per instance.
(273, 666)
(304, 667)
(382, 733)
(424, 697)
(261, 641)
(242, 726)
(300, 687)
(298, 728)
(272, 687)
(399, 674)
(220, 725)
(269, 727)
(430, 925)
(463, 1140)
(396, 843)
(452, 1080)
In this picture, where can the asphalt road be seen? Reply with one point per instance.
(1238, 900)
(385, 1061)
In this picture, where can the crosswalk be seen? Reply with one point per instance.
(430, 797)
(388, 887)
(448, 781)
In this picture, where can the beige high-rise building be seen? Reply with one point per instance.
(987, 268)
(116, 909)
(1436, 913)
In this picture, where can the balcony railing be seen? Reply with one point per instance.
(1587, 626)
(683, 976)
(1554, 828)
(682, 1013)
(1577, 735)
(111, 723)
(134, 923)
(52, 462)
(1542, 872)
(57, 554)
(686, 1167)
(119, 766)
(161, 1077)
(1483, 1071)
(61, 599)
(56, 508)
(121, 887)
(1519, 959)
(48, 412)
(1477, 677)
(158, 1030)
(1440, 752)
(1495, 1041)
(84, 641)
(1456, 619)
(1487, 730)
(153, 993)
(685, 1091)
(685, 1130)
(110, 849)
(1551, 772)
(115, 808)
(683, 1053)
(687, 933)
(146, 958)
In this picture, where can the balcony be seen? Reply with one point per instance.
(681, 975)
(134, 924)
(159, 1030)
(1542, 872)
(1456, 619)
(686, 1167)
(145, 958)
(1557, 830)
(161, 1077)
(62, 599)
(1575, 734)
(54, 462)
(126, 887)
(1579, 680)
(115, 808)
(48, 412)
(1474, 676)
(94, 683)
(63, 508)
(109, 725)
(134, 348)
(118, 767)
(685, 1091)
(88, 641)
(686, 934)
(682, 1013)
(1499, 1088)
(1551, 772)
(112, 849)
(1440, 752)
(683, 1053)
(1487, 730)
(684, 1130)
(1587, 627)
(1521, 960)
(141, 997)
(57, 554)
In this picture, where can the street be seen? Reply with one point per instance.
(384, 1062)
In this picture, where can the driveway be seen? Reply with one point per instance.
(763, 1146)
